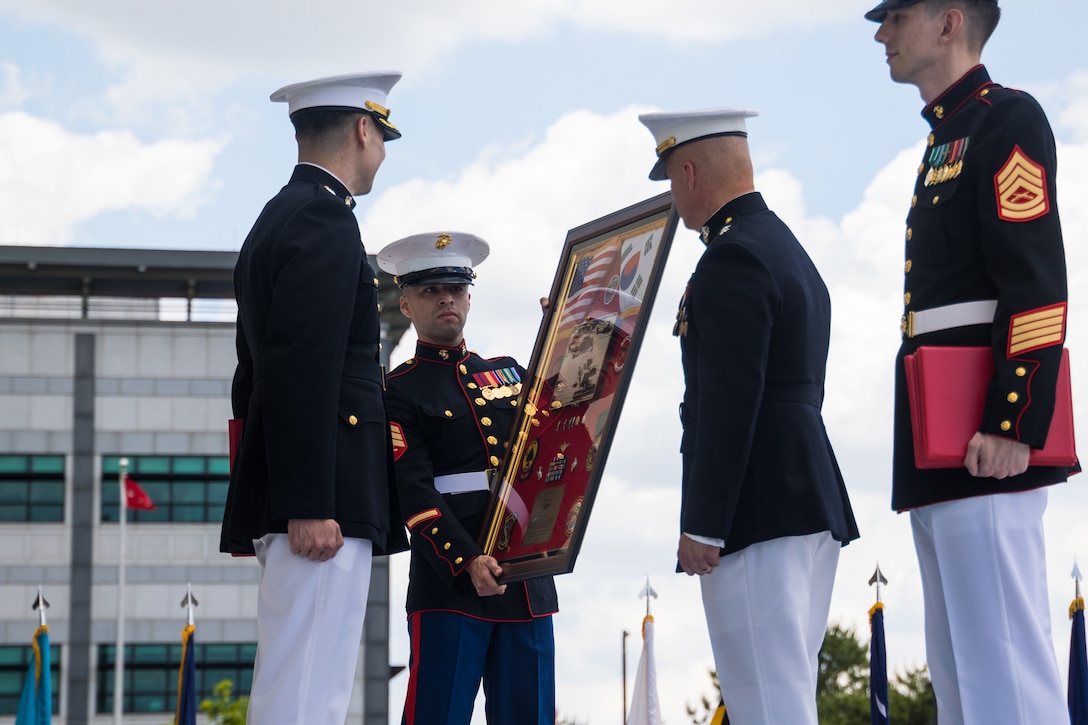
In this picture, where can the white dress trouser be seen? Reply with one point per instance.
(766, 610)
(988, 645)
(309, 624)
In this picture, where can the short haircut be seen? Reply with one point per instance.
(326, 129)
(981, 15)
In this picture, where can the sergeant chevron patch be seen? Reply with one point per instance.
(1036, 329)
(1021, 189)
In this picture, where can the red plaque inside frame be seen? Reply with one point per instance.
(574, 389)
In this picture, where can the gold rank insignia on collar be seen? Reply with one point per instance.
(348, 200)
(704, 233)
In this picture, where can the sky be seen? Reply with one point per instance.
(147, 125)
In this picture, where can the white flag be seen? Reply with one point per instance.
(644, 707)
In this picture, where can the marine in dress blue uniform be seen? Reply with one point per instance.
(984, 266)
(764, 509)
(450, 414)
(311, 490)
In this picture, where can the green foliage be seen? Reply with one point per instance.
(842, 687)
(701, 713)
(842, 680)
(222, 708)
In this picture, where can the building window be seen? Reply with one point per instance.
(190, 489)
(14, 664)
(151, 673)
(31, 488)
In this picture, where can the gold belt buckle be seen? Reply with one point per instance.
(906, 324)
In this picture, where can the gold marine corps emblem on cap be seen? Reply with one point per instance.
(442, 241)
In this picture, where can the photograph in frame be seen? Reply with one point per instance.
(573, 392)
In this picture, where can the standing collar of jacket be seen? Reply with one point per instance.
(440, 354)
(956, 95)
(306, 171)
(719, 222)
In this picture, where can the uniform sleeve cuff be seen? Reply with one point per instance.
(709, 541)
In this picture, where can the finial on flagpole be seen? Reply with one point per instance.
(878, 579)
(189, 602)
(1076, 576)
(41, 605)
(647, 592)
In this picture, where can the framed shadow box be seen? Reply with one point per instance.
(573, 392)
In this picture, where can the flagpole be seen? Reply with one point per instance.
(185, 712)
(878, 579)
(626, 634)
(644, 702)
(41, 605)
(189, 602)
(878, 656)
(119, 647)
(1076, 577)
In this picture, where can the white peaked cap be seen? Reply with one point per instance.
(674, 129)
(367, 92)
(433, 258)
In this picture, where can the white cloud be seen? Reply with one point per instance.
(52, 179)
(523, 201)
(181, 53)
(250, 34)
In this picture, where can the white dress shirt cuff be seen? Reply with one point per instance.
(720, 543)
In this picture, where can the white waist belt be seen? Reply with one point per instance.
(980, 312)
(461, 482)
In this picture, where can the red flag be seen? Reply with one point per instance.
(136, 498)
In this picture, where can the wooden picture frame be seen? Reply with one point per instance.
(573, 392)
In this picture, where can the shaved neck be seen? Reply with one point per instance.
(716, 171)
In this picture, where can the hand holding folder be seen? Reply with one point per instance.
(947, 391)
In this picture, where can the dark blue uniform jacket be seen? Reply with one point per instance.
(443, 423)
(754, 325)
(983, 225)
(308, 382)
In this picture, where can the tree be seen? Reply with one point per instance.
(842, 687)
(701, 714)
(222, 708)
(842, 680)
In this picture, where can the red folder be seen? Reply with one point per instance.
(947, 391)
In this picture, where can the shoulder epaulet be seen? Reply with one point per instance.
(506, 359)
(405, 367)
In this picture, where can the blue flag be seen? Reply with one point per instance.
(36, 703)
(878, 668)
(1078, 666)
(186, 710)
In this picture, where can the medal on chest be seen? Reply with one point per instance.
(946, 161)
(680, 329)
(498, 384)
